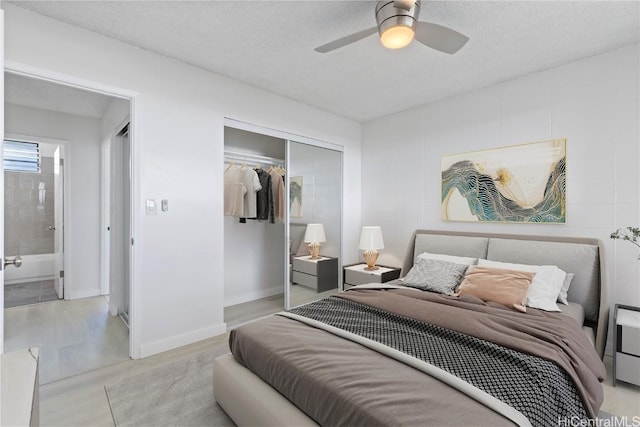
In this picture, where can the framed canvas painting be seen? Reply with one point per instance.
(520, 183)
(295, 197)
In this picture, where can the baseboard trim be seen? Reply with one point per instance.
(252, 296)
(169, 343)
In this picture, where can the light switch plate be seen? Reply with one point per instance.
(151, 207)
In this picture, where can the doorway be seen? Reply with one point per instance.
(77, 333)
(34, 219)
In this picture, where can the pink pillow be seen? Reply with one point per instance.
(506, 287)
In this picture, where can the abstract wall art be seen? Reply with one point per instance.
(521, 183)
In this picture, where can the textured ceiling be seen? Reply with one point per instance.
(30, 92)
(269, 44)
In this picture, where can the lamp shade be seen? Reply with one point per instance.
(314, 234)
(371, 238)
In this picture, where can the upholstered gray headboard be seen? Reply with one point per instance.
(582, 256)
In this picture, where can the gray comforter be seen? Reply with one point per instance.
(339, 382)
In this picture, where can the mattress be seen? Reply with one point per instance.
(338, 382)
(573, 310)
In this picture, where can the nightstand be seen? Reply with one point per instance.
(319, 274)
(626, 359)
(357, 275)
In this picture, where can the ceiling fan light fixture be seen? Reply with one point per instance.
(398, 25)
(397, 37)
(396, 22)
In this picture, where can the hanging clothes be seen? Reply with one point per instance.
(278, 194)
(264, 197)
(234, 191)
(252, 183)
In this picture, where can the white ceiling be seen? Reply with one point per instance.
(30, 92)
(269, 44)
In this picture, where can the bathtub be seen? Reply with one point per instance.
(33, 268)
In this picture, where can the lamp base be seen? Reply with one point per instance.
(370, 256)
(314, 250)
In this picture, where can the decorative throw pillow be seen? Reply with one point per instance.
(506, 287)
(562, 296)
(451, 258)
(435, 276)
(545, 287)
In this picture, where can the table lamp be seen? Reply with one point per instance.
(314, 236)
(370, 242)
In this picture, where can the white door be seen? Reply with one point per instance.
(58, 230)
(2, 182)
(120, 225)
(116, 268)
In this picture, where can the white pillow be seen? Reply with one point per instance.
(449, 258)
(562, 297)
(545, 288)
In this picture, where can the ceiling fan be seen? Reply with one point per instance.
(398, 25)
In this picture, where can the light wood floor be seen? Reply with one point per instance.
(302, 295)
(236, 315)
(73, 336)
(622, 400)
(82, 401)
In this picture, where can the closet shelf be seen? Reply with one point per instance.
(231, 156)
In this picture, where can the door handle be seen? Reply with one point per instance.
(51, 228)
(15, 261)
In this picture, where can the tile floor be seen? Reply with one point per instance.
(73, 336)
(19, 294)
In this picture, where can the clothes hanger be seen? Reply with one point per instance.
(230, 165)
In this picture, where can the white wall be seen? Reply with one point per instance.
(82, 161)
(178, 154)
(594, 103)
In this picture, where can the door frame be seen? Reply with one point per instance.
(2, 255)
(117, 92)
(66, 186)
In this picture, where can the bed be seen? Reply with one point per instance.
(401, 356)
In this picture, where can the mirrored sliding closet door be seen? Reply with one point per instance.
(314, 211)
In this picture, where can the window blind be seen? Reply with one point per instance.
(21, 156)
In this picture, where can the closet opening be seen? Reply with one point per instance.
(254, 225)
(282, 192)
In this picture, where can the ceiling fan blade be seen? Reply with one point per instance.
(343, 41)
(439, 38)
